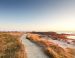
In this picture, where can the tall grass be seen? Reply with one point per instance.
(10, 46)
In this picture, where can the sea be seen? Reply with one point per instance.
(67, 32)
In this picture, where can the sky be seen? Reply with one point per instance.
(37, 15)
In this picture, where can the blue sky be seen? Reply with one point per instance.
(37, 15)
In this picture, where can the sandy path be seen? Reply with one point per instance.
(32, 50)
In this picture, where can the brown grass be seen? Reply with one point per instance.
(10, 46)
(51, 49)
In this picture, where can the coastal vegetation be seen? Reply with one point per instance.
(10, 45)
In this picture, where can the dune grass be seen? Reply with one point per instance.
(51, 49)
(10, 46)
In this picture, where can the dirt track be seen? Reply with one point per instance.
(32, 50)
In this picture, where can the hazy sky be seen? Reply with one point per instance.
(37, 15)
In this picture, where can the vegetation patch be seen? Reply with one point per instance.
(10, 46)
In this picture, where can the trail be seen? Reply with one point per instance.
(32, 50)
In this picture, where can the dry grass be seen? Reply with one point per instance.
(58, 52)
(51, 49)
(10, 46)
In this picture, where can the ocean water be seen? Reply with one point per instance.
(68, 32)
(71, 37)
